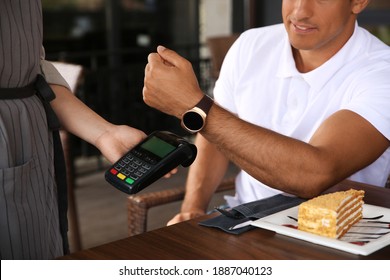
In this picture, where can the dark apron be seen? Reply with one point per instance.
(41, 88)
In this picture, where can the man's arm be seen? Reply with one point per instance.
(204, 176)
(344, 143)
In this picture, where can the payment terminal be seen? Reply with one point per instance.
(151, 159)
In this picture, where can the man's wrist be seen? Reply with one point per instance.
(194, 119)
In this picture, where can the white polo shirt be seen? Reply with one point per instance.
(260, 84)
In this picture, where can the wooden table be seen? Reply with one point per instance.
(188, 240)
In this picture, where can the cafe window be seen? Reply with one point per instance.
(112, 39)
(376, 19)
(73, 4)
(93, 5)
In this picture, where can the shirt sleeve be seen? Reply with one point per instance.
(372, 100)
(51, 73)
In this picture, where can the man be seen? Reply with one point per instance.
(297, 107)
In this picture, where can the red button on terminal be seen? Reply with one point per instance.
(114, 171)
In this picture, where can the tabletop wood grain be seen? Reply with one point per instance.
(190, 241)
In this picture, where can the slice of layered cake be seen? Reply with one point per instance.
(332, 214)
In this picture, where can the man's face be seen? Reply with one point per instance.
(318, 25)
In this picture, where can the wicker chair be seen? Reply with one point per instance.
(138, 205)
(218, 47)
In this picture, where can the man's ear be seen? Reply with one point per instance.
(359, 5)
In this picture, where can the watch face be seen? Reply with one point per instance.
(193, 121)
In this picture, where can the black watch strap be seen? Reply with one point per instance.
(205, 104)
(195, 119)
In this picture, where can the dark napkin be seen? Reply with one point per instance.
(251, 211)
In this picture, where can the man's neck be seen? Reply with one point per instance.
(306, 61)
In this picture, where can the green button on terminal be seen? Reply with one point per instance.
(129, 181)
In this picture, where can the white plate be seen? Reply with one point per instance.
(365, 244)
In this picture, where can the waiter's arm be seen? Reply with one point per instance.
(77, 118)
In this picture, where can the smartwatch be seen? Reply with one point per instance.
(195, 119)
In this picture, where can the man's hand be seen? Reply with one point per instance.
(170, 83)
(181, 217)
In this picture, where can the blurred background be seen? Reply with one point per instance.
(111, 39)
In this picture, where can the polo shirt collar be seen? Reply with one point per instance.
(317, 78)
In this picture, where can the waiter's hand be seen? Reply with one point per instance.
(118, 140)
